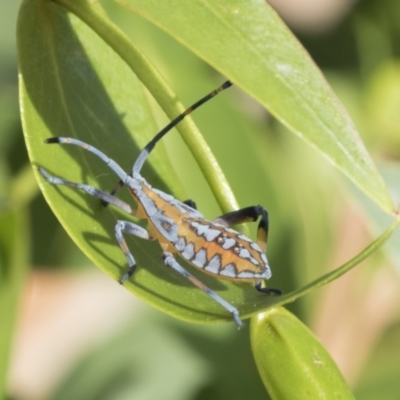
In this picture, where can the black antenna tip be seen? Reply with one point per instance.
(52, 140)
(226, 84)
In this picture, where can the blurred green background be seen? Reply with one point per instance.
(78, 335)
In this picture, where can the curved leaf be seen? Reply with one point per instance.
(78, 87)
(249, 43)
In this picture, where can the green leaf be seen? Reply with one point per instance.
(78, 87)
(284, 348)
(249, 43)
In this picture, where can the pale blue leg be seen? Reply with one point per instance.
(170, 261)
(132, 229)
(121, 226)
(89, 190)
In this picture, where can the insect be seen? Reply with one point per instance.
(179, 228)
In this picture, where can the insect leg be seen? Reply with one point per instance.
(248, 214)
(132, 229)
(113, 192)
(88, 189)
(266, 290)
(170, 261)
(190, 203)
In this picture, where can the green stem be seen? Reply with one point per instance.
(329, 277)
(94, 16)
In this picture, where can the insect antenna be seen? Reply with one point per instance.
(150, 146)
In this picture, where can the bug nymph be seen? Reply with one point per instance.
(179, 228)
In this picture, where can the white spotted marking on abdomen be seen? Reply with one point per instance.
(188, 253)
(214, 265)
(200, 259)
(229, 271)
(221, 251)
(228, 243)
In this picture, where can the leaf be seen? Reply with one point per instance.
(78, 87)
(284, 347)
(249, 44)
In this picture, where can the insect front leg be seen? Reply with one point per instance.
(170, 261)
(132, 229)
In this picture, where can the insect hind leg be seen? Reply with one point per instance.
(266, 290)
(248, 214)
(170, 261)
